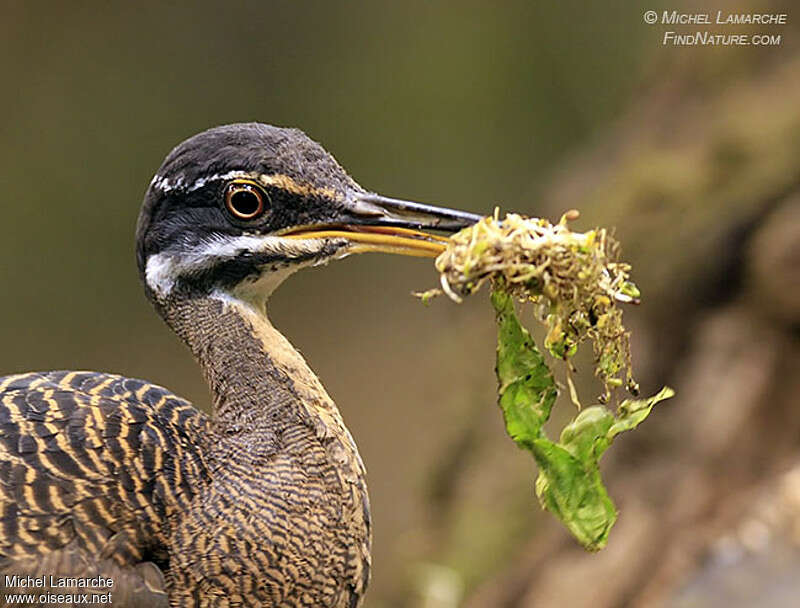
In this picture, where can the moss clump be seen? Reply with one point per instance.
(574, 279)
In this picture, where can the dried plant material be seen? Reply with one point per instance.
(574, 279)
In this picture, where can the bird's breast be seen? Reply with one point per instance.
(278, 531)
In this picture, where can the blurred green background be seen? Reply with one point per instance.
(537, 107)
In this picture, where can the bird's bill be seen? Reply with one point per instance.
(377, 223)
(403, 241)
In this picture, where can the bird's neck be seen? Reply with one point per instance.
(260, 384)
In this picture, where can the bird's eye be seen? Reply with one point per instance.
(244, 200)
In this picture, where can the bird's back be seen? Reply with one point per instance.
(93, 468)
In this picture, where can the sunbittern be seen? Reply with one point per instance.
(262, 503)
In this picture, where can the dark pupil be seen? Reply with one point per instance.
(245, 202)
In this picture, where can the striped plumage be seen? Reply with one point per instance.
(123, 469)
(261, 503)
(93, 464)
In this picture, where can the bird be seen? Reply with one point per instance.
(263, 501)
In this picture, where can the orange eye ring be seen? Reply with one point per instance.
(244, 200)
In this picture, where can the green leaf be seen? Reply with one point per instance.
(574, 492)
(569, 483)
(631, 413)
(527, 388)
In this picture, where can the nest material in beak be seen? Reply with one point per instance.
(574, 279)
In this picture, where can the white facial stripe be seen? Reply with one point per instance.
(163, 270)
(283, 182)
(165, 185)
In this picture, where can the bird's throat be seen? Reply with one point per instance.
(260, 384)
(276, 433)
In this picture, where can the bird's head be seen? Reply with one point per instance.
(236, 209)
